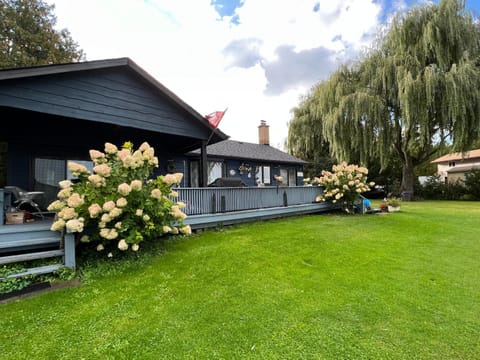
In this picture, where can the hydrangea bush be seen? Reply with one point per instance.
(344, 184)
(118, 205)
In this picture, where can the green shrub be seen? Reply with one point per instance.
(433, 189)
(12, 284)
(454, 191)
(472, 184)
(393, 202)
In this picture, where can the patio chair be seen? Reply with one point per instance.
(25, 199)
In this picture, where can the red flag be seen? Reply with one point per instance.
(215, 118)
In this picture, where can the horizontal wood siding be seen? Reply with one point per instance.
(234, 164)
(18, 166)
(111, 96)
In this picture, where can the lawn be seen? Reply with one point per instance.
(398, 286)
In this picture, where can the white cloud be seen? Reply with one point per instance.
(182, 44)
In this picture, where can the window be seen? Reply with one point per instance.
(451, 163)
(194, 173)
(289, 176)
(292, 177)
(262, 174)
(49, 171)
(284, 175)
(215, 171)
(266, 174)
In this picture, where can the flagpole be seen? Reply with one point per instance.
(215, 128)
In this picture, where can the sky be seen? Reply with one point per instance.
(256, 58)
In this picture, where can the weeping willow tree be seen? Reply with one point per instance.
(306, 141)
(416, 89)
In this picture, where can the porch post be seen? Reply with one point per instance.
(2, 206)
(203, 165)
(69, 247)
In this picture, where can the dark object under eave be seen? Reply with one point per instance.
(227, 182)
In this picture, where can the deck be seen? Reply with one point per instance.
(230, 218)
(210, 207)
(33, 241)
(205, 208)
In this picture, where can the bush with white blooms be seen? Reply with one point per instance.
(344, 184)
(118, 205)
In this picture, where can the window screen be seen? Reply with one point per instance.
(215, 170)
(49, 171)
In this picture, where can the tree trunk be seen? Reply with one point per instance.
(408, 177)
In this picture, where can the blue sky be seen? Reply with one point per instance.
(228, 7)
(258, 58)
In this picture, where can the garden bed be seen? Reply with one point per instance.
(37, 288)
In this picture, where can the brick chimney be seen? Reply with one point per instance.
(263, 133)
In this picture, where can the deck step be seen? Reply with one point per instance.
(37, 270)
(30, 256)
(29, 242)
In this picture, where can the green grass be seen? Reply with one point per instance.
(399, 286)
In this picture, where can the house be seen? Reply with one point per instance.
(252, 164)
(453, 167)
(56, 113)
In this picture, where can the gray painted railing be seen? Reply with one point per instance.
(26, 242)
(32, 241)
(200, 201)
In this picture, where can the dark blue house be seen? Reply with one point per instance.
(252, 164)
(55, 113)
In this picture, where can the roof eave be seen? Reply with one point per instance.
(43, 70)
(18, 73)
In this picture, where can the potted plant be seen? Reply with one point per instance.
(383, 206)
(393, 205)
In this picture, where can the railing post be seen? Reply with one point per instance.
(69, 247)
(214, 203)
(285, 200)
(223, 204)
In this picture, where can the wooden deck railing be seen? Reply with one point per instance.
(206, 207)
(200, 201)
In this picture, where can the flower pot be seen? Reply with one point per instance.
(393, 208)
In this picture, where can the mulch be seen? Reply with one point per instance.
(36, 289)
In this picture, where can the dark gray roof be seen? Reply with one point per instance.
(248, 151)
(42, 70)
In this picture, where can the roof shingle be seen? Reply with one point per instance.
(249, 151)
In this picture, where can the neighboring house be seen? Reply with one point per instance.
(253, 164)
(56, 113)
(453, 167)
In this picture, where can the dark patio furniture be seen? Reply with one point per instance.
(24, 200)
(227, 182)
